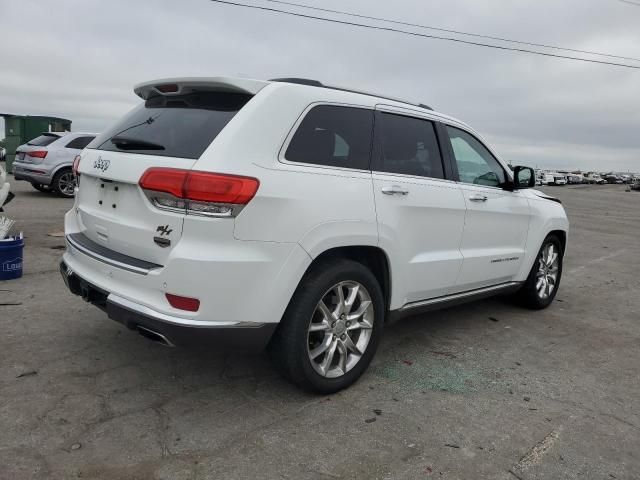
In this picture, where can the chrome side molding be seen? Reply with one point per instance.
(453, 299)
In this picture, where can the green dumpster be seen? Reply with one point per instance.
(19, 129)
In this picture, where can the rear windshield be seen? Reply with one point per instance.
(43, 140)
(173, 126)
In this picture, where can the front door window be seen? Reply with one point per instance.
(475, 163)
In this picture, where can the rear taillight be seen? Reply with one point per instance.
(38, 153)
(76, 165)
(198, 193)
(183, 303)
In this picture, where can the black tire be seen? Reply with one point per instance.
(60, 183)
(528, 296)
(289, 345)
(41, 188)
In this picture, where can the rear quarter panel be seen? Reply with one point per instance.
(309, 208)
(316, 206)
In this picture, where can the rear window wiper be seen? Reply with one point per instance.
(125, 143)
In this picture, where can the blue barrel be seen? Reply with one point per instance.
(11, 258)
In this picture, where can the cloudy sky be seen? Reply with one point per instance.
(80, 58)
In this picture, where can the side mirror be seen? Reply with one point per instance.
(524, 177)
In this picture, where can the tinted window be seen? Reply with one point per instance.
(409, 146)
(333, 136)
(173, 126)
(475, 163)
(43, 140)
(79, 142)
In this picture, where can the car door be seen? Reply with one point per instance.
(497, 219)
(420, 213)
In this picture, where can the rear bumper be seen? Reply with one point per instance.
(236, 281)
(169, 329)
(32, 173)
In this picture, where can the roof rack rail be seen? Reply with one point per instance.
(316, 83)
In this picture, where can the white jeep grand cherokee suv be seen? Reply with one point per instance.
(242, 214)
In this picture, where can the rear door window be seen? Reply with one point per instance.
(79, 143)
(173, 126)
(408, 146)
(334, 136)
(43, 140)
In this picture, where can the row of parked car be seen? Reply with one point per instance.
(563, 178)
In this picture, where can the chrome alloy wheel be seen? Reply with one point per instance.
(340, 329)
(548, 268)
(67, 184)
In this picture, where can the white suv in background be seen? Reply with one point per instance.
(240, 213)
(46, 161)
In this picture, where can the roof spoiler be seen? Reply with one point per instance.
(181, 86)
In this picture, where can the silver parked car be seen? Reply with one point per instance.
(46, 161)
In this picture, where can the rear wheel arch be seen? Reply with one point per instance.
(60, 167)
(374, 258)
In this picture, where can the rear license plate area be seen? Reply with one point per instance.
(108, 193)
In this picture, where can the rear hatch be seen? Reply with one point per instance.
(171, 129)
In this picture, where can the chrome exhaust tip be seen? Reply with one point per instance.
(154, 336)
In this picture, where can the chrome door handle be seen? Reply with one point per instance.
(394, 190)
(478, 198)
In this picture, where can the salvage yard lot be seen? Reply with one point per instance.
(485, 390)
